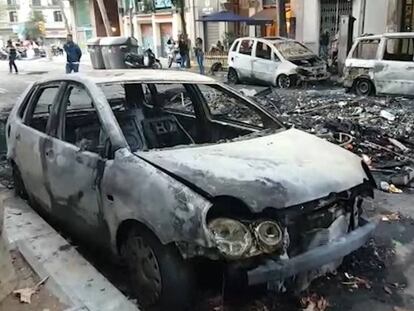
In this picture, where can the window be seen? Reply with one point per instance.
(38, 112)
(36, 3)
(225, 106)
(367, 49)
(11, 2)
(235, 46)
(57, 16)
(172, 97)
(399, 49)
(263, 50)
(292, 49)
(13, 17)
(55, 2)
(78, 99)
(45, 100)
(246, 47)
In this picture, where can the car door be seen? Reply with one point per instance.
(263, 65)
(394, 73)
(32, 135)
(243, 59)
(74, 166)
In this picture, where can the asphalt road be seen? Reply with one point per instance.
(387, 264)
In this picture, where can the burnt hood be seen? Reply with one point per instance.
(279, 170)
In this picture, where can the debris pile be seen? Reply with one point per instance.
(379, 128)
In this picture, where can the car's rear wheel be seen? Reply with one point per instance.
(284, 81)
(232, 76)
(19, 188)
(364, 87)
(160, 278)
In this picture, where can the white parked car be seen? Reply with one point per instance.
(381, 64)
(277, 61)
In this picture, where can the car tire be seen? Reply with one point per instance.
(364, 87)
(284, 81)
(19, 188)
(232, 76)
(160, 278)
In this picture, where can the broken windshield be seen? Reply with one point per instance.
(293, 50)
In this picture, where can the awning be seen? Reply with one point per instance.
(265, 16)
(226, 16)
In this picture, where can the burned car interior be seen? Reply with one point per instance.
(153, 116)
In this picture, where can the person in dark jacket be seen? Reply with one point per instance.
(12, 51)
(183, 48)
(73, 55)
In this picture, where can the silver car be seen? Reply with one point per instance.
(381, 64)
(164, 168)
(275, 61)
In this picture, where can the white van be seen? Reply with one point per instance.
(274, 60)
(381, 64)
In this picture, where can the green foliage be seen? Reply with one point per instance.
(34, 27)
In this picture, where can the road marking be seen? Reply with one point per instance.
(3, 91)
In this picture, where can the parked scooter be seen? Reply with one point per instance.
(146, 60)
(173, 54)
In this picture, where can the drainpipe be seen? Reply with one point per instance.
(362, 17)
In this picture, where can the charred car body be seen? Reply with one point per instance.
(167, 170)
(381, 64)
(276, 61)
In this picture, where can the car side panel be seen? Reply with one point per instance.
(134, 189)
(28, 154)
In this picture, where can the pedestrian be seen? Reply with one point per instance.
(199, 53)
(12, 51)
(324, 44)
(183, 49)
(73, 55)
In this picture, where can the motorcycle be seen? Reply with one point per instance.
(146, 60)
(173, 55)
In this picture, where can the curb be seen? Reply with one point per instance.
(72, 278)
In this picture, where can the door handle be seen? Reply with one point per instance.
(18, 136)
(49, 153)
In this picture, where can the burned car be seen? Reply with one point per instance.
(167, 170)
(381, 64)
(275, 61)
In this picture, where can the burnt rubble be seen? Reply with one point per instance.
(378, 128)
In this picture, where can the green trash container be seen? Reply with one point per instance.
(114, 50)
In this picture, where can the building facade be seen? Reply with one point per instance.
(371, 17)
(14, 13)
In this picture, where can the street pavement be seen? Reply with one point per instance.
(386, 265)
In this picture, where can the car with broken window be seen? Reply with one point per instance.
(381, 64)
(167, 171)
(275, 61)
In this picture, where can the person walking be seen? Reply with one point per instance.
(73, 55)
(199, 53)
(12, 51)
(183, 49)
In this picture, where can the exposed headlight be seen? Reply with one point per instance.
(270, 235)
(232, 238)
(303, 72)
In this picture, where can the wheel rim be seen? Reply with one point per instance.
(363, 87)
(232, 76)
(284, 82)
(146, 270)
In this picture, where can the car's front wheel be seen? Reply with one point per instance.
(284, 81)
(160, 278)
(364, 87)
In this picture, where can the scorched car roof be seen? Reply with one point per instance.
(131, 75)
